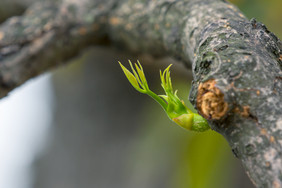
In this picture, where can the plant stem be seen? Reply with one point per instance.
(158, 99)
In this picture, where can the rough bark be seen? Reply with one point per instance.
(45, 36)
(236, 63)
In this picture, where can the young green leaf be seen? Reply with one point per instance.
(132, 79)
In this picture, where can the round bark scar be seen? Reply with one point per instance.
(210, 100)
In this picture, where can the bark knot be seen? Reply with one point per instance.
(210, 101)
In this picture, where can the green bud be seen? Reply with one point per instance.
(185, 121)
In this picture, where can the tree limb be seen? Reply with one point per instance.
(237, 63)
(45, 36)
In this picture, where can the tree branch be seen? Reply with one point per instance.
(237, 63)
(45, 36)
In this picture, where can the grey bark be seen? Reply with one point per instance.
(236, 63)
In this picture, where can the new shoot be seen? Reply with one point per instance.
(174, 107)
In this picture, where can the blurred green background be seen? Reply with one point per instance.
(105, 134)
(265, 11)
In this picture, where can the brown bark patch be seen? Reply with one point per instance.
(82, 31)
(272, 139)
(263, 131)
(280, 57)
(258, 92)
(276, 184)
(244, 113)
(115, 21)
(1, 35)
(210, 100)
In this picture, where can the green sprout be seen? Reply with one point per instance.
(175, 108)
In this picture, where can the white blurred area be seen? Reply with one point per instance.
(25, 119)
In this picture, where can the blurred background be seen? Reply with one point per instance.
(83, 125)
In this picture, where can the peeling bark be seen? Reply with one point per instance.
(236, 63)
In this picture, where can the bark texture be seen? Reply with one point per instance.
(48, 34)
(236, 63)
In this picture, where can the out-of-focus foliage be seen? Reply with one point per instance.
(204, 163)
(265, 11)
